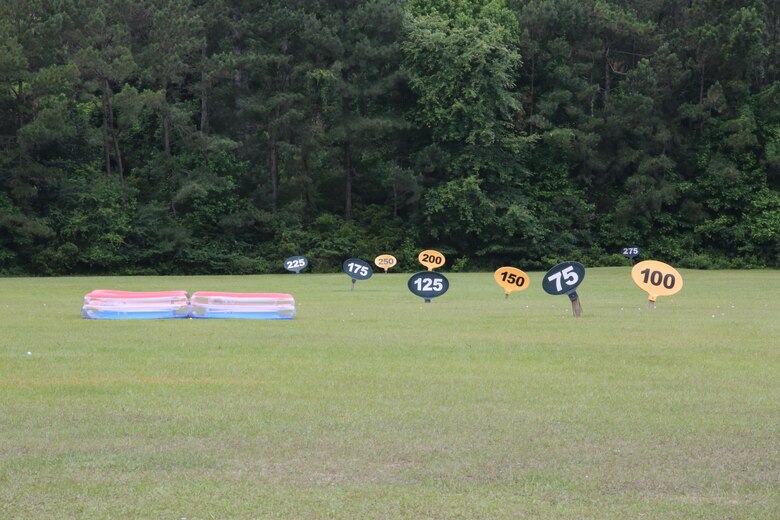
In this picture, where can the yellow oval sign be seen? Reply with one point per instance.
(431, 259)
(385, 261)
(656, 278)
(511, 279)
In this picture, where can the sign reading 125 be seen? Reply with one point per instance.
(563, 278)
(428, 284)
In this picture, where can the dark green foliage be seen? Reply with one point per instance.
(207, 136)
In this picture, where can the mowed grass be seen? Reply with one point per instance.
(372, 404)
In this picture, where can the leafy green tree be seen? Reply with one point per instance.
(175, 40)
(462, 59)
(275, 64)
(358, 86)
(101, 43)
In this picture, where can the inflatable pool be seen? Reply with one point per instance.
(105, 304)
(246, 306)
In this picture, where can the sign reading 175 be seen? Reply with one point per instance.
(357, 269)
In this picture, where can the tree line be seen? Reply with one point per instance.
(221, 136)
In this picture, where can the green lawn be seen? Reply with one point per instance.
(372, 404)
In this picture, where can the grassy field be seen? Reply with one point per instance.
(372, 404)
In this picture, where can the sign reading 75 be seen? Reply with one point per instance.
(563, 278)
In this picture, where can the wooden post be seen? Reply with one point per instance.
(576, 307)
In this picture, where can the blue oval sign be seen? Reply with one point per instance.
(428, 284)
(631, 252)
(563, 278)
(296, 264)
(358, 269)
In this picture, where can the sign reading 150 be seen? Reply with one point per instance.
(511, 279)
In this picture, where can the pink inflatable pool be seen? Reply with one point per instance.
(103, 304)
(106, 304)
(248, 306)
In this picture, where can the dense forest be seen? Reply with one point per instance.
(221, 136)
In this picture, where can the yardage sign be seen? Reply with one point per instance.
(656, 278)
(428, 284)
(563, 278)
(431, 259)
(511, 279)
(631, 252)
(358, 269)
(385, 261)
(296, 264)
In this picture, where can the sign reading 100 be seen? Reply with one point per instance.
(656, 278)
